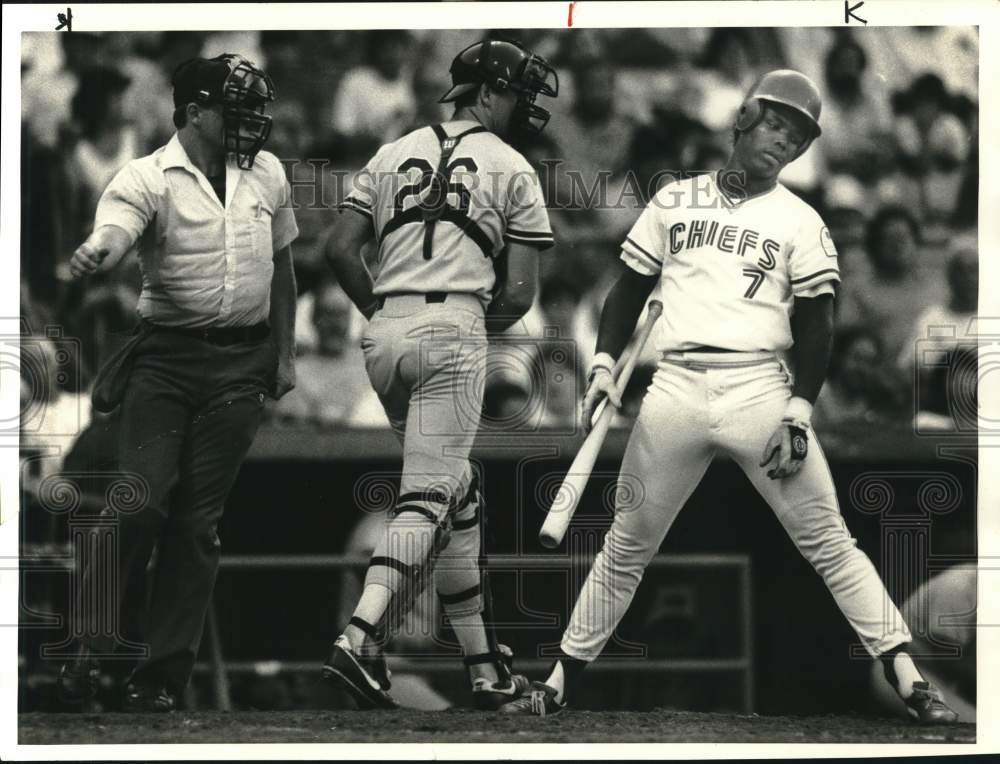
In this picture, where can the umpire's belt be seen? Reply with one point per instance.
(702, 357)
(218, 335)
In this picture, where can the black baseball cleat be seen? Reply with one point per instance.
(926, 705)
(490, 696)
(79, 678)
(143, 698)
(539, 700)
(366, 679)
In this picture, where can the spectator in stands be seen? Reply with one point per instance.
(54, 410)
(950, 51)
(50, 75)
(107, 139)
(845, 206)
(595, 135)
(859, 387)
(592, 139)
(375, 103)
(672, 144)
(899, 285)
(947, 386)
(147, 97)
(47, 87)
(429, 82)
(332, 386)
(933, 145)
(723, 77)
(857, 124)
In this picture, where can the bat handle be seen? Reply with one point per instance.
(557, 523)
(625, 364)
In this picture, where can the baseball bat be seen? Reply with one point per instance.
(564, 505)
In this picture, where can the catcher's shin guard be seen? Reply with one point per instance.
(464, 588)
(404, 560)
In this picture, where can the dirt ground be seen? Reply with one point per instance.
(460, 726)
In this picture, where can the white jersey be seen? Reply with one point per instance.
(729, 271)
(493, 198)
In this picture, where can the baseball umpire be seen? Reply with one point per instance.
(458, 218)
(746, 270)
(210, 216)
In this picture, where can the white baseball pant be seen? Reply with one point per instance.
(698, 406)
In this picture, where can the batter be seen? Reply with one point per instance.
(747, 270)
(459, 219)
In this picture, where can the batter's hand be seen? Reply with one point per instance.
(285, 379)
(787, 448)
(602, 385)
(86, 259)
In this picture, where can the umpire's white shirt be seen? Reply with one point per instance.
(203, 263)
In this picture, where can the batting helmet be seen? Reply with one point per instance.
(787, 87)
(506, 65)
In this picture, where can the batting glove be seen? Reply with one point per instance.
(600, 384)
(789, 445)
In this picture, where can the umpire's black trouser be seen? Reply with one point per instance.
(190, 412)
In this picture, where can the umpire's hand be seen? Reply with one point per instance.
(86, 259)
(601, 385)
(284, 381)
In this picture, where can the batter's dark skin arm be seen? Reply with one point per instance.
(622, 309)
(812, 335)
(343, 253)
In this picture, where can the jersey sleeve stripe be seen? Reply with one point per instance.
(528, 234)
(539, 242)
(634, 249)
(830, 274)
(639, 265)
(641, 255)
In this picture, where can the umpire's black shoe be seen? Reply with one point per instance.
(79, 678)
(926, 705)
(366, 679)
(143, 698)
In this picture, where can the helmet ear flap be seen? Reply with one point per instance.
(749, 114)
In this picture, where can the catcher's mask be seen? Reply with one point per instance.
(506, 65)
(241, 88)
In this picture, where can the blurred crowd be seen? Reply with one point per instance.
(894, 176)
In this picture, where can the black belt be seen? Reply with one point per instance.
(429, 297)
(219, 335)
